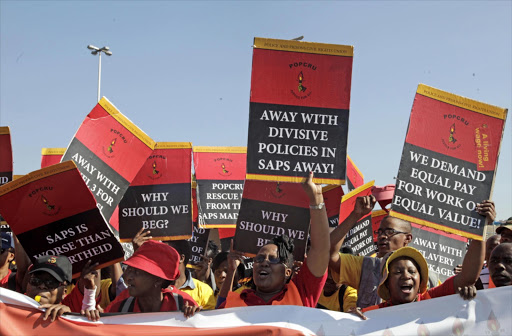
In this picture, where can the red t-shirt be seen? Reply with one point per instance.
(168, 303)
(4, 282)
(74, 300)
(309, 286)
(444, 289)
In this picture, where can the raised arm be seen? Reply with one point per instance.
(234, 259)
(474, 258)
(318, 255)
(362, 207)
(22, 264)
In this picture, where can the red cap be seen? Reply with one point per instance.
(156, 258)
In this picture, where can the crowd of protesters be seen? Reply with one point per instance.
(156, 277)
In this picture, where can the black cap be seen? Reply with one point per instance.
(6, 240)
(58, 266)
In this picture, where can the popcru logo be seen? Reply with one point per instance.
(155, 170)
(303, 72)
(224, 166)
(278, 191)
(43, 198)
(110, 150)
(453, 122)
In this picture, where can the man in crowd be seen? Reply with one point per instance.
(505, 231)
(490, 244)
(198, 290)
(500, 265)
(7, 278)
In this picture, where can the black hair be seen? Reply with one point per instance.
(285, 249)
(166, 283)
(219, 259)
(347, 250)
(183, 248)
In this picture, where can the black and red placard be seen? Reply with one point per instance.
(6, 163)
(360, 236)
(448, 162)
(443, 251)
(51, 156)
(271, 209)
(220, 173)
(52, 212)
(355, 178)
(299, 108)
(109, 151)
(159, 199)
(332, 199)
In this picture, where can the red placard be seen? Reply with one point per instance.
(51, 156)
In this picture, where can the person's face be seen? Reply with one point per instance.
(388, 241)
(490, 244)
(6, 257)
(46, 286)
(220, 273)
(403, 281)
(141, 283)
(506, 236)
(500, 265)
(270, 274)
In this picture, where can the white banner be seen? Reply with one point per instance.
(489, 314)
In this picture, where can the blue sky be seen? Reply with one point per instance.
(181, 70)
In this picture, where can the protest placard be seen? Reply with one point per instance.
(159, 198)
(355, 178)
(443, 251)
(332, 199)
(225, 237)
(51, 156)
(109, 151)
(6, 165)
(52, 212)
(360, 236)
(220, 173)
(271, 209)
(299, 108)
(198, 245)
(448, 162)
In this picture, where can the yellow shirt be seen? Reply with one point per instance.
(332, 302)
(350, 270)
(104, 290)
(202, 294)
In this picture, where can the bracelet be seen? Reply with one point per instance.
(317, 207)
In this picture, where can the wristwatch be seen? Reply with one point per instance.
(317, 207)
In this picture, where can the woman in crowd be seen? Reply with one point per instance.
(273, 265)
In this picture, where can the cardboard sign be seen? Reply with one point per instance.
(271, 209)
(52, 212)
(198, 244)
(109, 151)
(51, 156)
(225, 237)
(448, 162)
(360, 236)
(299, 108)
(443, 251)
(220, 175)
(355, 178)
(332, 199)
(160, 197)
(6, 163)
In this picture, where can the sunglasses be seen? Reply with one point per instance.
(272, 260)
(388, 232)
(50, 284)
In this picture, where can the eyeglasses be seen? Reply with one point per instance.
(261, 258)
(387, 232)
(50, 284)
